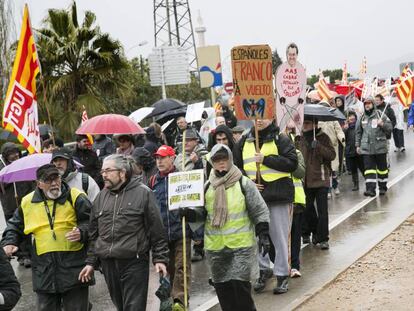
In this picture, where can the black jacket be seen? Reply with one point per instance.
(53, 272)
(90, 162)
(126, 224)
(389, 112)
(281, 190)
(9, 286)
(350, 149)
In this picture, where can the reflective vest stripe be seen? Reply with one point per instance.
(210, 231)
(249, 160)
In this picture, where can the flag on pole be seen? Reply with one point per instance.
(344, 75)
(85, 118)
(20, 114)
(405, 87)
(322, 87)
(363, 68)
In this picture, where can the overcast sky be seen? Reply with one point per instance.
(328, 32)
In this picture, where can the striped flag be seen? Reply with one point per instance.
(405, 87)
(85, 118)
(384, 90)
(20, 114)
(363, 68)
(322, 87)
(344, 75)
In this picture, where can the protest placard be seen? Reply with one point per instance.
(185, 189)
(253, 82)
(290, 87)
(209, 66)
(194, 112)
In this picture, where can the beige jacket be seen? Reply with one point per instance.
(336, 135)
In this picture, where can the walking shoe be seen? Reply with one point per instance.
(397, 149)
(27, 263)
(314, 239)
(178, 306)
(324, 245)
(260, 283)
(329, 195)
(294, 273)
(337, 192)
(370, 193)
(402, 149)
(383, 191)
(282, 285)
(306, 239)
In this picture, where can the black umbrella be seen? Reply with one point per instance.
(165, 105)
(168, 115)
(323, 113)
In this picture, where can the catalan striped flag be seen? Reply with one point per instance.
(363, 69)
(85, 118)
(344, 75)
(20, 114)
(322, 87)
(405, 87)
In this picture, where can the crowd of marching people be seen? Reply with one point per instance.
(266, 193)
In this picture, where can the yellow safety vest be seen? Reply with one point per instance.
(238, 231)
(249, 162)
(36, 222)
(300, 197)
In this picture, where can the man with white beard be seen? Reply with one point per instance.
(58, 219)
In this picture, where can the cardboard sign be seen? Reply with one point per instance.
(209, 65)
(253, 82)
(185, 189)
(194, 112)
(291, 86)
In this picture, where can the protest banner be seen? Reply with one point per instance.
(253, 82)
(194, 112)
(209, 65)
(185, 189)
(291, 88)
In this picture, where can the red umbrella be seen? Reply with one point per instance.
(110, 124)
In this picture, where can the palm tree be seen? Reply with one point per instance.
(80, 66)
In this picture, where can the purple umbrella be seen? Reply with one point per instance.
(24, 169)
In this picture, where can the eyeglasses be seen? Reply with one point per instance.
(50, 180)
(108, 170)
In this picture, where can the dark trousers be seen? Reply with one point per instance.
(315, 219)
(235, 295)
(76, 299)
(375, 166)
(398, 137)
(176, 269)
(127, 281)
(355, 163)
(295, 235)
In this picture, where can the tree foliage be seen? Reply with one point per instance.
(276, 61)
(333, 74)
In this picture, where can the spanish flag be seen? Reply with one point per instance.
(405, 87)
(20, 114)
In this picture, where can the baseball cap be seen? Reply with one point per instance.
(165, 151)
(46, 171)
(61, 153)
(190, 134)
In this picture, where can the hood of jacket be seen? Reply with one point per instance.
(9, 148)
(218, 147)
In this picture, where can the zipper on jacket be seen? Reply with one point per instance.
(113, 225)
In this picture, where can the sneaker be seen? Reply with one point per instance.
(27, 263)
(306, 239)
(294, 273)
(397, 149)
(324, 245)
(178, 306)
(369, 193)
(260, 283)
(337, 192)
(329, 195)
(282, 285)
(402, 149)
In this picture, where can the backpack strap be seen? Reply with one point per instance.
(85, 182)
(152, 181)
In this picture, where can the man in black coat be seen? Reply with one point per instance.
(9, 286)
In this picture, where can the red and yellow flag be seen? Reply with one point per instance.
(85, 118)
(20, 114)
(405, 87)
(322, 87)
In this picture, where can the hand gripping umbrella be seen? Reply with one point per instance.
(110, 124)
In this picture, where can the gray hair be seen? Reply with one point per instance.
(121, 162)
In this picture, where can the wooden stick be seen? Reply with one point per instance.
(256, 133)
(185, 264)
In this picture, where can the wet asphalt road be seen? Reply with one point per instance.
(349, 240)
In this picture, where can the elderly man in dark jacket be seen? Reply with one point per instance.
(11, 194)
(9, 286)
(125, 225)
(277, 159)
(318, 152)
(57, 217)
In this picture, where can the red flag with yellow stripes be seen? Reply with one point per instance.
(405, 87)
(323, 89)
(85, 118)
(20, 114)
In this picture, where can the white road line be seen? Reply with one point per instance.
(214, 301)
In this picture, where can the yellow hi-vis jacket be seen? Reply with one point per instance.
(300, 197)
(36, 222)
(238, 231)
(249, 162)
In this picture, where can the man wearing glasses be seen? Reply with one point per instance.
(125, 225)
(57, 217)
